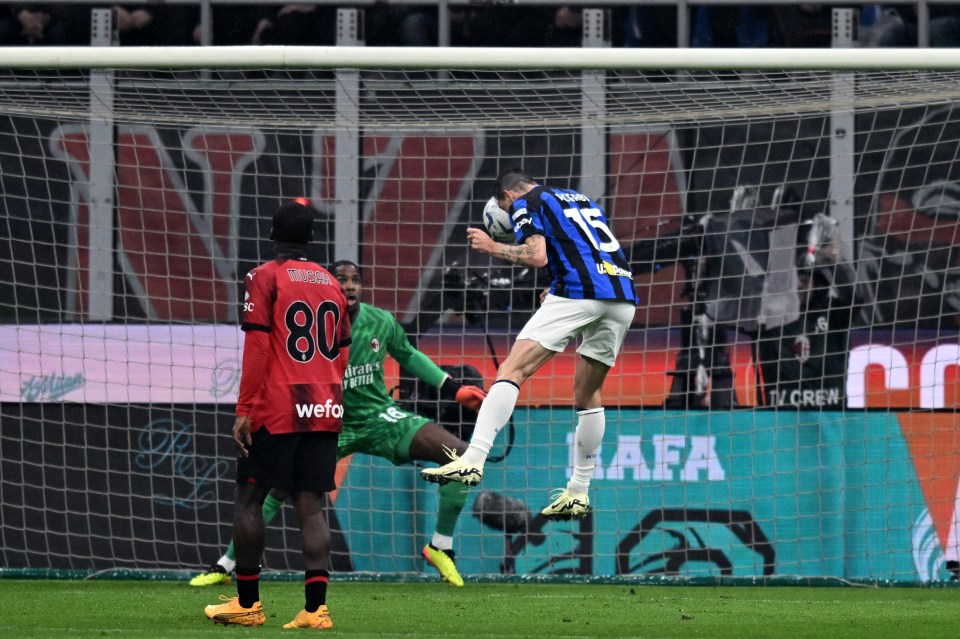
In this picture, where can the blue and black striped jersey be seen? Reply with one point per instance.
(583, 256)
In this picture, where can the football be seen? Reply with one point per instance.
(498, 222)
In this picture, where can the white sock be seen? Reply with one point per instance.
(586, 448)
(227, 563)
(442, 542)
(494, 414)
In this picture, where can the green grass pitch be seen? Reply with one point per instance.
(157, 609)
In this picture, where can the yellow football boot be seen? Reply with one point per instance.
(442, 560)
(215, 575)
(232, 613)
(319, 620)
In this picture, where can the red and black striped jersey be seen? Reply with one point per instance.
(297, 385)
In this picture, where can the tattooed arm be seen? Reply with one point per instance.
(533, 251)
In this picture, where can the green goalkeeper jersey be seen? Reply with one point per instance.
(375, 334)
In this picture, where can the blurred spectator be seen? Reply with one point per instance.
(804, 25)
(479, 25)
(289, 24)
(45, 24)
(297, 24)
(565, 29)
(897, 27)
(730, 26)
(514, 26)
(483, 26)
(401, 26)
(153, 25)
(647, 26)
(710, 26)
(232, 25)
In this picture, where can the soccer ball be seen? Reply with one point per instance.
(498, 222)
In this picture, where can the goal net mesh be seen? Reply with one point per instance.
(784, 404)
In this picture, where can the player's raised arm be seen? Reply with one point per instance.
(533, 251)
(514, 238)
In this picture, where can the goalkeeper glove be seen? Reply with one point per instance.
(469, 396)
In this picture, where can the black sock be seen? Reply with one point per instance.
(248, 585)
(315, 589)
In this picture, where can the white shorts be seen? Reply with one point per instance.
(602, 323)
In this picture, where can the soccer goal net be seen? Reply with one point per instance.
(784, 405)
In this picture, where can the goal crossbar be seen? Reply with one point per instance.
(360, 57)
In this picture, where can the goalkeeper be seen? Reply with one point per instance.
(373, 424)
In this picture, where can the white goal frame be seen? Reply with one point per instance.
(506, 58)
(584, 70)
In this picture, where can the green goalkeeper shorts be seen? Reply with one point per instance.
(386, 435)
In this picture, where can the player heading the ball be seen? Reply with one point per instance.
(591, 295)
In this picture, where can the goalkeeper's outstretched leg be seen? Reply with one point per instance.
(434, 443)
(215, 575)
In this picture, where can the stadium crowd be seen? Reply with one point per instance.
(290, 24)
(487, 24)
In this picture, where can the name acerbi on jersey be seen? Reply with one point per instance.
(320, 411)
(572, 197)
(308, 276)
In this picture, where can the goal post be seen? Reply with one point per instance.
(785, 404)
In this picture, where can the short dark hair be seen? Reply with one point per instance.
(333, 267)
(510, 179)
(293, 224)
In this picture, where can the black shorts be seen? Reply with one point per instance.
(291, 462)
